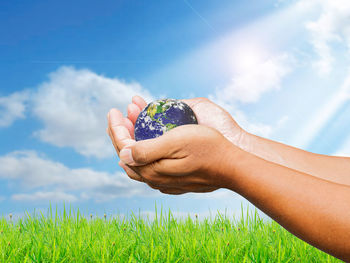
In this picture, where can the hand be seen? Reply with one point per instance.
(207, 113)
(186, 159)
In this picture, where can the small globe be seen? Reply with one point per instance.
(161, 116)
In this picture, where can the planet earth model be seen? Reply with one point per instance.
(161, 116)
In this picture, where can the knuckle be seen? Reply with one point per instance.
(139, 155)
(153, 177)
(157, 181)
(153, 185)
(134, 176)
(147, 173)
(156, 167)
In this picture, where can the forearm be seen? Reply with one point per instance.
(313, 209)
(331, 168)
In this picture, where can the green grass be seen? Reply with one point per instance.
(71, 237)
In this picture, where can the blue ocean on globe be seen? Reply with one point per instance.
(161, 116)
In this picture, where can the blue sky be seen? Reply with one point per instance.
(281, 68)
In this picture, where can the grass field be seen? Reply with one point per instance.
(71, 237)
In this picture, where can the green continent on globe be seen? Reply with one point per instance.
(158, 107)
(161, 116)
(161, 106)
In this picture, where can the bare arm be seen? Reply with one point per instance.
(331, 168)
(335, 169)
(195, 158)
(306, 193)
(315, 210)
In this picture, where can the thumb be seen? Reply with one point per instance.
(148, 151)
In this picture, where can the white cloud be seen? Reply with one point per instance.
(256, 66)
(257, 128)
(39, 179)
(332, 26)
(30, 171)
(73, 105)
(244, 64)
(39, 196)
(256, 71)
(12, 107)
(255, 75)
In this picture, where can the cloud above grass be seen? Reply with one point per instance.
(73, 104)
(40, 178)
(39, 196)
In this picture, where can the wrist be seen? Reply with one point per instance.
(242, 139)
(236, 169)
(228, 166)
(261, 147)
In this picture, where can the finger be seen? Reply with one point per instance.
(139, 101)
(115, 117)
(151, 150)
(119, 132)
(160, 180)
(108, 130)
(191, 183)
(113, 142)
(129, 126)
(153, 174)
(132, 174)
(167, 167)
(164, 188)
(145, 152)
(133, 112)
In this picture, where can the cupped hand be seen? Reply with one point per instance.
(121, 130)
(207, 112)
(186, 159)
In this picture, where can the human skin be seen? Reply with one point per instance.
(198, 158)
(332, 168)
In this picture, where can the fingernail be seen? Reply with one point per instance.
(126, 156)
